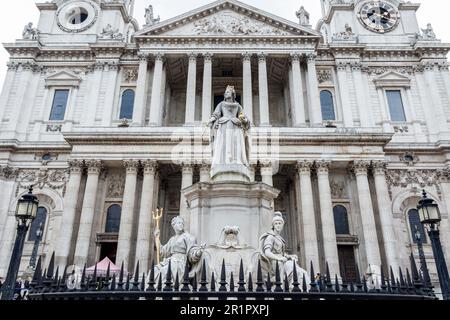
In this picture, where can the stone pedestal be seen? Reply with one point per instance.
(214, 206)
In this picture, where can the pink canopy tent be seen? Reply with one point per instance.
(102, 267)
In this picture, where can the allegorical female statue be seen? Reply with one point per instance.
(273, 250)
(229, 138)
(181, 248)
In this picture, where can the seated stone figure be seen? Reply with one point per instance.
(181, 248)
(273, 250)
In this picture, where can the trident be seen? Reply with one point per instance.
(157, 215)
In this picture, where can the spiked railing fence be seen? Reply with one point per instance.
(48, 285)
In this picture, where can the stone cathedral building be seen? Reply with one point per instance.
(350, 121)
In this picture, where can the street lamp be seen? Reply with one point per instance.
(429, 215)
(25, 213)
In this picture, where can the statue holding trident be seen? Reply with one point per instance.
(230, 140)
(157, 215)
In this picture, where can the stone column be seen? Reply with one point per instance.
(155, 102)
(144, 235)
(298, 103)
(247, 85)
(315, 112)
(386, 215)
(307, 214)
(205, 169)
(126, 218)
(7, 84)
(361, 96)
(344, 93)
(63, 245)
(191, 90)
(430, 72)
(267, 172)
(8, 224)
(444, 179)
(327, 217)
(385, 119)
(93, 88)
(207, 87)
(94, 168)
(186, 181)
(140, 101)
(263, 91)
(113, 72)
(367, 216)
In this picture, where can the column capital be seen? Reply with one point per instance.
(262, 56)
(379, 168)
(76, 166)
(149, 166)
(322, 166)
(304, 166)
(295, 57)
(247, 56)
(159, 56)
(360, 167)
(94, 166)
(143, 56)
(204, 166)
(207, 56)
(131, 166)
(192, 56)
(187, 167)
(311, 57)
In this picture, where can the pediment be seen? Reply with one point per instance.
(227, 18)
(392, 79)
(62, 78)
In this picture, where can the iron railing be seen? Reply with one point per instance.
(48, 285)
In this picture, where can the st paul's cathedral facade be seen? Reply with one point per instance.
(107, 120)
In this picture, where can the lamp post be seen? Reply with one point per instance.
(430, 216)
(25, 213)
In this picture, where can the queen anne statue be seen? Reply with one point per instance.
(230, 140)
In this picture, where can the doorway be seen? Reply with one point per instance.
(109, 250)
(347, 263)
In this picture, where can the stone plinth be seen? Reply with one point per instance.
(213, 206)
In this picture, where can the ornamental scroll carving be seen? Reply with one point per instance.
(417, 178)
(55, 179)
(233, 25)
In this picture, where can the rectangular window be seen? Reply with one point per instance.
(59, 105)
(395, 102)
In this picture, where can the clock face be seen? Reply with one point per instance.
(379, 16)
(77, 16)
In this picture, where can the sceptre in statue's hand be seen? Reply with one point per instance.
(157, 215)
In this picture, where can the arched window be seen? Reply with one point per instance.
(327, 105)
(416, 225)
(127, 105)
(38, 224)
(341, 220)
(113, 219)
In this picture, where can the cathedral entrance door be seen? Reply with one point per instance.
(108, 250)
(347, 262)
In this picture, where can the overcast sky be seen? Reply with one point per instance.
(15, 14)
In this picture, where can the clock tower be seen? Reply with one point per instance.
(371, 22)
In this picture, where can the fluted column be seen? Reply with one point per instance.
(314, 97)
(307, 213)
(444, 179)
(430, 72)
(207, 87)
(108, 115)
(367, 216)
(187, 180)
(71, 199)
(140, 101)
(205, 169)
(347, 114)
(386, 215)
(155, 102)
(267, 172)
(298, 103)
(327, 217)
(361, 96)
(263, 91)
(191, 90)
(144, 235)
(94, 168)
(247, 85)
(126, 218)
